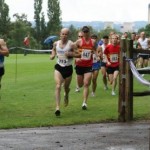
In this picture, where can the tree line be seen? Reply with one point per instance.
(15, 32)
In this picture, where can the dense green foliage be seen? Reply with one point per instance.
(4, 19)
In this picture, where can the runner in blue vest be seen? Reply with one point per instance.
(3, 52)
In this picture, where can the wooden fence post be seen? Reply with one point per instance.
(129, 83)
(122, 66)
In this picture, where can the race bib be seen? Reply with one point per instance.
(86, 54)
(114, 58)
(62, 61)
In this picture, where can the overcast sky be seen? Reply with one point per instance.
(88, 10)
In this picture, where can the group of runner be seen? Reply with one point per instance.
(88, 57)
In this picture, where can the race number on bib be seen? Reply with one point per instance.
(86, 54)
(114, 58)
(62, 60)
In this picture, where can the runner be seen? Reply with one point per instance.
(103, 62)
(3, 52)
(87, 47)
(63, 48)
(112, 59)
(136, 45)
(143, 58)
(95, 66)
(80, 35)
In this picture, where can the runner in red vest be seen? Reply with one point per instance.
(112, 61)
(86, 47)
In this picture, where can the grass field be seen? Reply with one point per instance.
(27, 97)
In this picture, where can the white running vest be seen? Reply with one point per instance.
(62, 60)
(144, 43)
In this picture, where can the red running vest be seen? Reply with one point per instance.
(86, 54)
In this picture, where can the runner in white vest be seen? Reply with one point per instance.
(64, 51)
(143, 58)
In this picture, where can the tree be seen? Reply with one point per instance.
(44, 33)
(73, 33)
(146, 29)
(54, 16)
(4, 18)
(37, 13)
(19, 30)
(106, 32)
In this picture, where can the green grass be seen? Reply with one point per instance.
(27, 97)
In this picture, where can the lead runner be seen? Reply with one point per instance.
(64, 51)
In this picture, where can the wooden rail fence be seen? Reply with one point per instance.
(126, 93)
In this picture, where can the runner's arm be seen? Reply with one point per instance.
(3, 48)
(53, 54)
(77, 53)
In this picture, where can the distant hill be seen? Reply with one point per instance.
(99, 25)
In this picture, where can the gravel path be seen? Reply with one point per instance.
(103, 136)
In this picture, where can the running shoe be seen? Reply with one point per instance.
(57, 112)
(93, 94)
(105, 88)
(84, 106)
(113, 93)
(77, 90)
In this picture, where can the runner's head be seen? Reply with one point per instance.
(86, 31)
(64, 34)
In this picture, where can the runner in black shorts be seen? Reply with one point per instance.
(63, 49)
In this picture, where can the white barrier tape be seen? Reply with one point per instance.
(27, 49)
(137, 75)
(35, 50)
(145, 68)
(12, 48)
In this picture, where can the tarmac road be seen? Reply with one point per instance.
(103, 136)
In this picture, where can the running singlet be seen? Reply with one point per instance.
(144, 44)
(86, 54)
(112, 53)
(63, 60)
